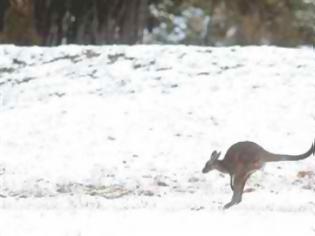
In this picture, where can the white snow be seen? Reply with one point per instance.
(112, 140)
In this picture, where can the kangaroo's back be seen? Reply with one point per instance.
(244, 151)
(244, 156)
(250, 152)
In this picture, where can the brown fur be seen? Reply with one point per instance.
(241, 160)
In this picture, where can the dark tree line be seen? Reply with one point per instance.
(222, 22)
(75, 21)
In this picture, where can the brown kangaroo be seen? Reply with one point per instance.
(241, 160)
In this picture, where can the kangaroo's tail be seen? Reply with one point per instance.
(280, 157)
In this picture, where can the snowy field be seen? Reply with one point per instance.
(111, 140)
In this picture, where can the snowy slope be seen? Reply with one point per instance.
(120, 134)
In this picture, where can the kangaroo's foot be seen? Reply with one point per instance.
(233, 202)
(227, 206)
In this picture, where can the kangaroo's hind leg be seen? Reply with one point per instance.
(238, 188)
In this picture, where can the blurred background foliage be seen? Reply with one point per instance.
(197, 22)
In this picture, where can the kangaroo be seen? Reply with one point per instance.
(241, 160)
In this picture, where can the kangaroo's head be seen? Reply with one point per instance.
(211, 163)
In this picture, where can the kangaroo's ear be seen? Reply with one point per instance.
(214, 155)
(218, 154)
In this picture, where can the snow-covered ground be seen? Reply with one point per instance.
(99, 140)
